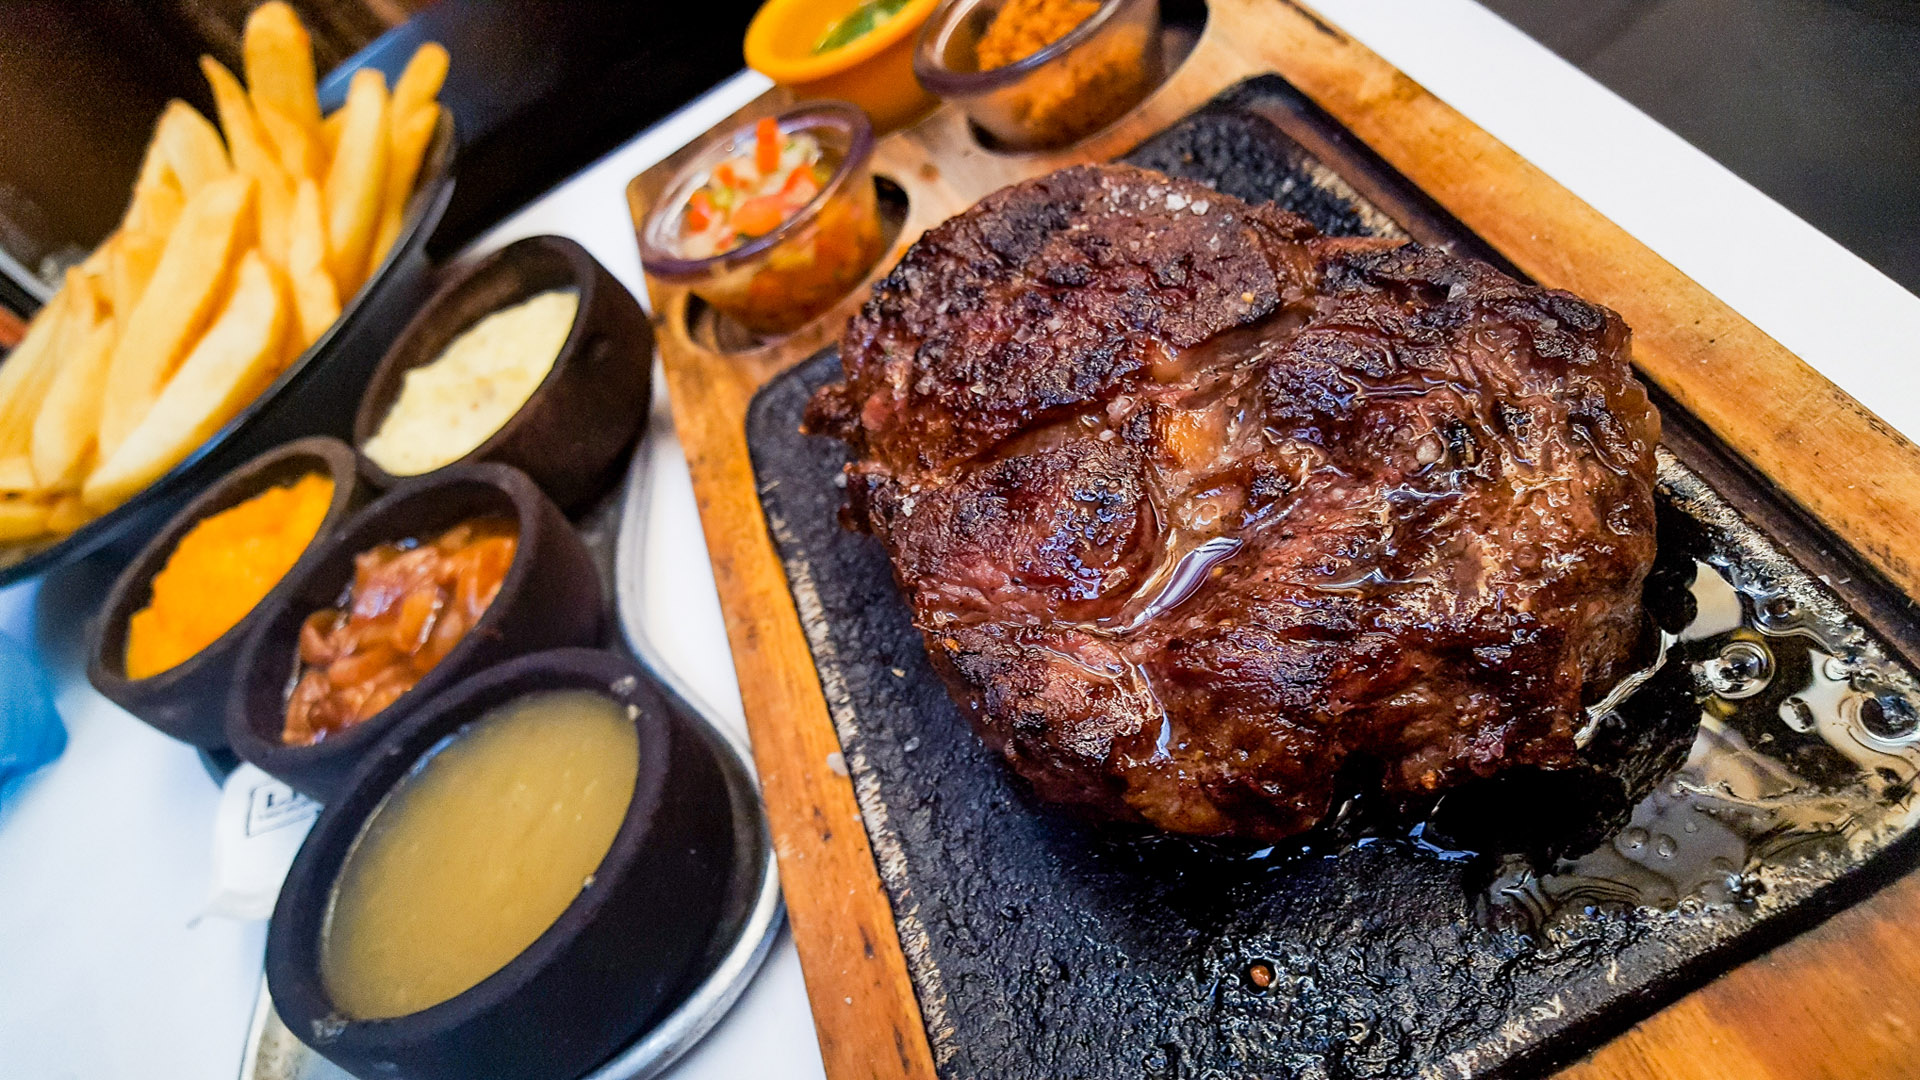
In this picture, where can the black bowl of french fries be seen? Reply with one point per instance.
(259, 272)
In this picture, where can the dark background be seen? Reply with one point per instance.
(1815, 102)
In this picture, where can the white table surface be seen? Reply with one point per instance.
(105, 969)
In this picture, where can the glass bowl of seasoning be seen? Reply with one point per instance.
(774, 222)
(859, 51)
(1039, 74)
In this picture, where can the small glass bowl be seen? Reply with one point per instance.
(1070, 89)
(777, 283)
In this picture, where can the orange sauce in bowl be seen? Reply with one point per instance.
(221, 569)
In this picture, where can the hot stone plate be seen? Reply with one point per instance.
(1765, 758)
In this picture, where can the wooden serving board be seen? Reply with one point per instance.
(1843, 1000)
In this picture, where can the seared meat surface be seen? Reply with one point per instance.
(1194, 504)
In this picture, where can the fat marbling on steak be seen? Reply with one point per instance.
(1194, 504)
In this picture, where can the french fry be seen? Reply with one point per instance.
(22, 519)
(153, 164)
(412, 114)
(275, 207)
(408, 139)
(28, 371)
(135, 254)
(156, 210)
(68, 513)
(356, 178)
(330, 133)
(253, 155)
(157, 197)
(246, 142)
(186, 284)
(316, 299)
(227, 369)
(16, 475)
(192, 147)
(65, 430)
(96, 263)
(420, 83)
(299, 147)
(83, 284)
(278, 57)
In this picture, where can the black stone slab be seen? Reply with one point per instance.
(1044, 947)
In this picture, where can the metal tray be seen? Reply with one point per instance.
(615, 531)
(1043, 947)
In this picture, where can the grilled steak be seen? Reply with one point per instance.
(1194, 504)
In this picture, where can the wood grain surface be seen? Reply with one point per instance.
(1841, 1001)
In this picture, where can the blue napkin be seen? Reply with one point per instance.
(31, 733)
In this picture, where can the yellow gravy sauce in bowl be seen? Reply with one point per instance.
(516, 882)
(477, 852)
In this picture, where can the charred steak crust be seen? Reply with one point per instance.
(1194, 504)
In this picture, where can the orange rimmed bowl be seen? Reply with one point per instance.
(873, 71)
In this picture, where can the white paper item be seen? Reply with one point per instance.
(256, 832)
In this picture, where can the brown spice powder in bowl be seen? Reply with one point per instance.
(1024, 27)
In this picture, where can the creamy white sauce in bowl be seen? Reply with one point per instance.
(450, 405)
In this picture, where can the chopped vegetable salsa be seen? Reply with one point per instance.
(751, 194)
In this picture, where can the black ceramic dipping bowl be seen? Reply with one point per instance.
(574, 434)
(619, 957)
(188, 701)
(551, 597)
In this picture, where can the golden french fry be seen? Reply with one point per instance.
(330, 132)
(420, 83)
(279, 61)
(135, 254)
(246, 142)
(29, 369)
(316, 299)
(154, 169)
(155, 210)
(96, 263)
(384, 236)
(356, 179)
(408, 141)
(253, 154)
(83, 292)
(186, 284)
(157, 197)
(227, 369)
(275, 207)
(98, 270)
(64, 432)
(68, 513)
(22, 519)
(298, 146)
(16, 475)
(192, 147)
